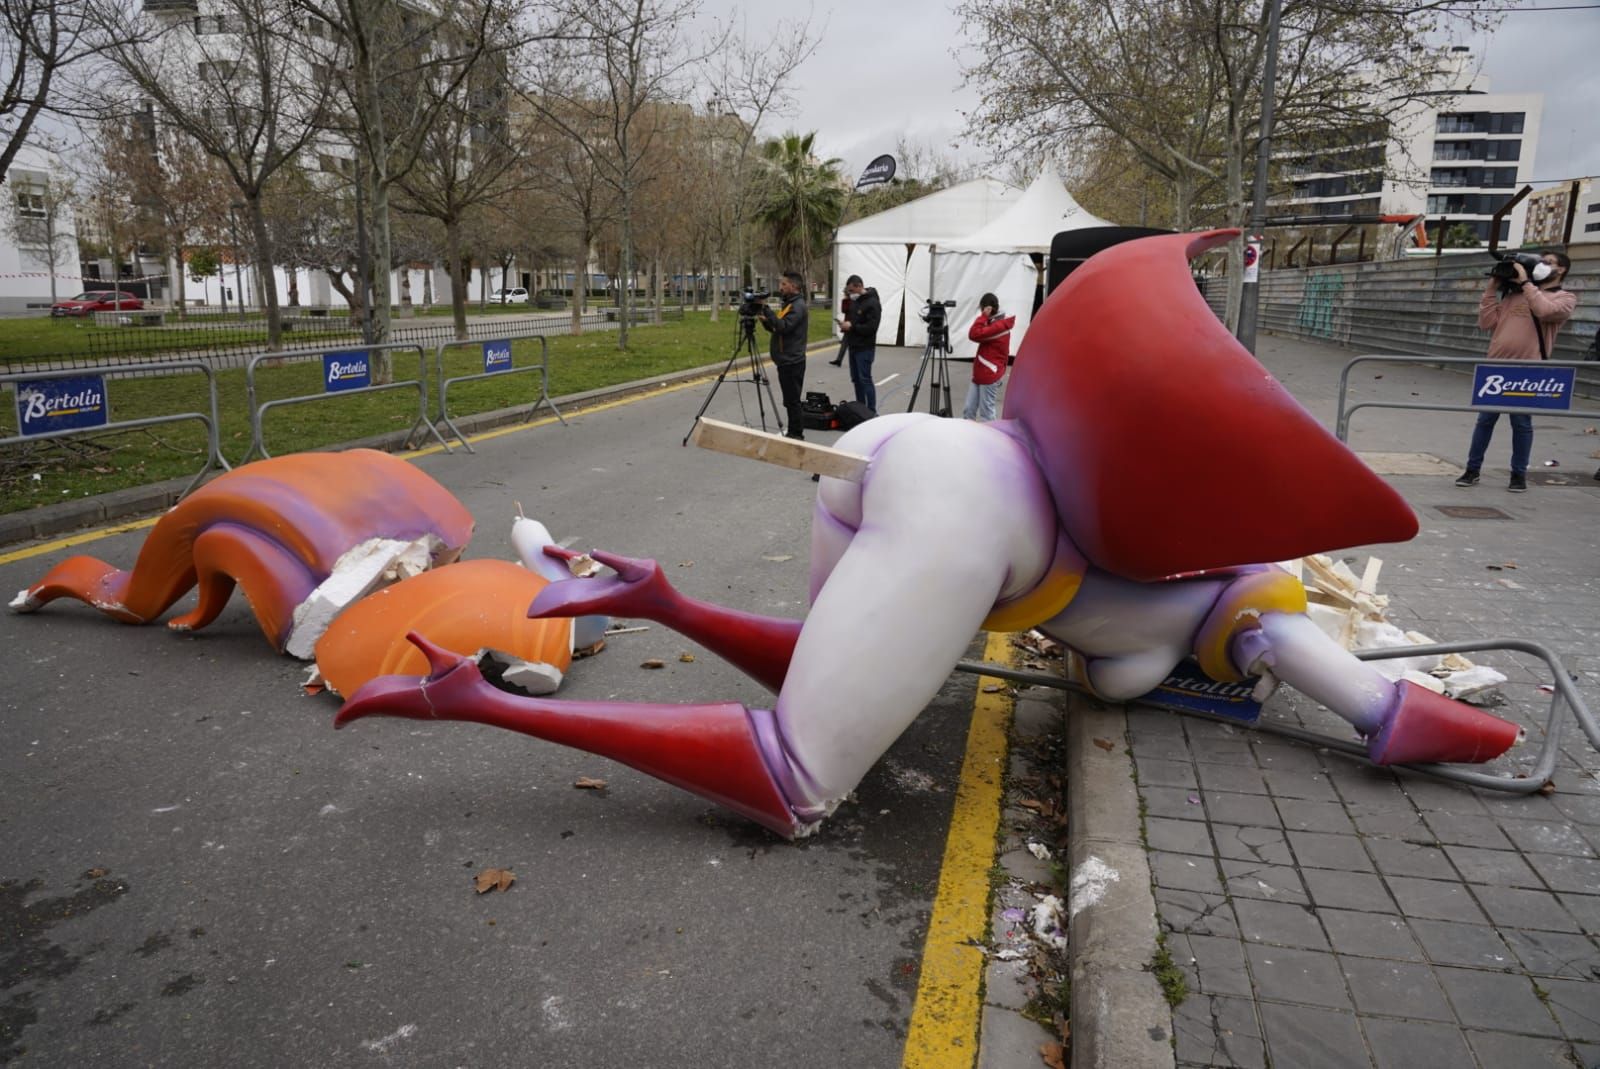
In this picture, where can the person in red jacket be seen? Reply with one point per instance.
(1522, 320)
(992, 332)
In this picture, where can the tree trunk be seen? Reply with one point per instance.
(458, 277)
(625, 290)
(264, 260)
(714, 292)
(382, 289)
(179, 277)
(580, 287)
(660, 291)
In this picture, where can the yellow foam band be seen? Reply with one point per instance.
(1239, 609)
(1047, 597)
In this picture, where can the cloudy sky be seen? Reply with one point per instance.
(888, 67)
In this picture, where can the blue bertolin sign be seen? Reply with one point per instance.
(45, 406)
(1522, 385)
(496, 356)
(346, 371)
(1191, 690)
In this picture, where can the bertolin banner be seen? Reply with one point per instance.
(496, 356)
(346, 371)
(46, 406)
(1525, 384)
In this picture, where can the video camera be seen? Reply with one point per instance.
(752, 301)
(1505, 272)
(933, 313)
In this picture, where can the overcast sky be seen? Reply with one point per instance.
(887, 67)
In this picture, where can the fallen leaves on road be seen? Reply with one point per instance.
(494, 880)
(96, 873)
(1053, 1055)
(686, 658)
(589, 783)
(1105, 744)
(993, 688)
(654, 662)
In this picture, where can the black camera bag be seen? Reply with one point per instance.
(816, 412)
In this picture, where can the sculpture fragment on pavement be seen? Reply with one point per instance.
(1145, 461)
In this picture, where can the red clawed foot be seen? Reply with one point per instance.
(639, 589)
(408, 696)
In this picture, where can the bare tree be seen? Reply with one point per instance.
(237, 82)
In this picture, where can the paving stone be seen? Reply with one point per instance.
(1585, 909)
(1287, 783)
(1497, 1049)
(1239, 779)
(1395, 987)
(1162, 773)
(1390, 822)
(1279, 922)
(1416, 1044)
(1172, 802)
(1360, 785)
(1431, 795)
(1373, 935)
(1450, 943)
(1537, 837)
(1177, 836)
(1515, 907)
(1537, 806)
(1434, 899)
(1275, 883)
(1396, 858)
(1217, 1031)
(1575, 874)
(1467, 830)
(1266, 845)
(1504, 868)
(1305, 815)
(1496, 1000)
(1319, 850)
(1576, 1004)
(1279, 756)
(1582, 808)
(1308, 976)
(1253, 809)
(1304, 1037)
(1559, 954)
(1347, 890)
(1220, 963)
(1221, 751)
(1196, 914)
(1185, 872)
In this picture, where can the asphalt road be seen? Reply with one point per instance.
(274, 893)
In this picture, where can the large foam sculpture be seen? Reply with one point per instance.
(303, 535)
(1144, 461)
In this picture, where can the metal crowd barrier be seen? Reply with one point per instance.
(259, 410)
(214, 457)
(543, 367)
(1563, 692)
(1345, 411)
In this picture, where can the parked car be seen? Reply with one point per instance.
(85, 304)
(515, 295)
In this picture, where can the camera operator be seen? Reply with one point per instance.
(1522, 315)
(992, 332)
(861, 336)
(788, 328)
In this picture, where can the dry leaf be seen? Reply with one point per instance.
(588, 783)
(993, 688)
(1053, 1055)
(778, 558)
(1033, 804)
(588, 651)
(654, 662)
(1105, 744)
(686, 564)
(494, 879)
(686, 658)
(95, 874)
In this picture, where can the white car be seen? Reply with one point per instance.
(518, 295)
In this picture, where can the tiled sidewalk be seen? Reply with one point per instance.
(1329, 914)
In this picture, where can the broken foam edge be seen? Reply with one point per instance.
(358, 572)
(24, 601)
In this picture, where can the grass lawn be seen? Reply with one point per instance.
(39, 473)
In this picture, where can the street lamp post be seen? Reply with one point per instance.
(238, 286)
(1250, 298)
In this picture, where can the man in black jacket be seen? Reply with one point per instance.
(788, 328)
(861, 336)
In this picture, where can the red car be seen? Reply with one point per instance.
(97, 301)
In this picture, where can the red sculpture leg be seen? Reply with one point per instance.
(759, 646)
(720, 752)
(1424, 726)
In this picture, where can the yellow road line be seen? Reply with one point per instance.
(945, 1020)
(76, 540)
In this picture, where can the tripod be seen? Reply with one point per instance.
(744, 345)
(935, 355)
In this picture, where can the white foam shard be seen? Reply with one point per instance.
(362, 569)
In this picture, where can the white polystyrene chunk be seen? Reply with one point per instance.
(357, 573)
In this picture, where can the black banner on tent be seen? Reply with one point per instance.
(879, 172)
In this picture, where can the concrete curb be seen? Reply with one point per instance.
(1120, 1018)
(49, 521)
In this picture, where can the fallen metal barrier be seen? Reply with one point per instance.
(100, 410)
(496, 362)
(1561, 682)
(334, 375)
(1532, 406)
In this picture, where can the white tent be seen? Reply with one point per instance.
(997, 258)
(877, 247)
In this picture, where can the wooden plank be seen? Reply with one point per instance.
(730, 438)
(1369, 577)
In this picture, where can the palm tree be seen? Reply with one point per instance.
(799, 199)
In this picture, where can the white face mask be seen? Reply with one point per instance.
(1542, 272)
